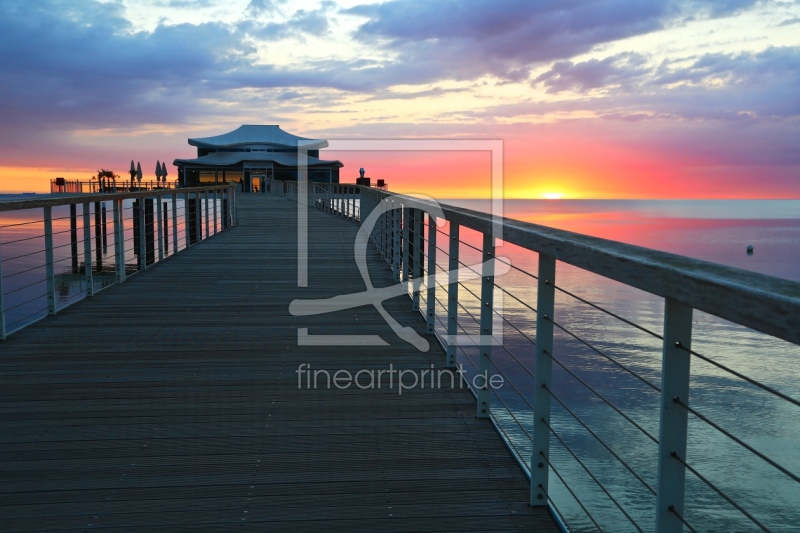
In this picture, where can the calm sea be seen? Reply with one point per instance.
(717, 231)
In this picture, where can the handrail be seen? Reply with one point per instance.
(763, 303)
(758, 301)
(116, 239)
(53, 201)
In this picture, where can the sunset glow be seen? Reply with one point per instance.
(665, 99)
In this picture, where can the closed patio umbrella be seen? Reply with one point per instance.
(132, 172)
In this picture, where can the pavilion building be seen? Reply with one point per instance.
(252, 153)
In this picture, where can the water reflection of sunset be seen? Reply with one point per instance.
(715, 393)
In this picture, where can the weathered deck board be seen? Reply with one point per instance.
(170, 403)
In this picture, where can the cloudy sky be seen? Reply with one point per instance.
(591, 98)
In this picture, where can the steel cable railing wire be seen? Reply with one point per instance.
(508, 438)
(741, 376)
(21, 224)
(601, 353)
(508, 409)
(603, 443)
(672, 510)
(512, 354)
(23, 255)
(552, 504)
(499, 314)
(591, 475)
(610, 313)
(12, 291)
(518, 269)
(26, 302)
(569, 489)
(512, 324)
(517, 299)
(586, 302)
(67, 217)
(599, 395)
(62, 232)
(519, 393)
(37, 267)
(4, 243)
(737, 440)
(23, 319)
(468, 245)
(638, 477)
(724, 496)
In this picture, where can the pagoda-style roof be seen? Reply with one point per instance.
(258, 134)
(219, 159)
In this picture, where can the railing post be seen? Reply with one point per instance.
(160, 223)
(388, 223)
(49, 266)
(198, 212)
(142, 242)
(405, 257)
(2, 304)
(174, 223)
(205, 194)
(87, 248)
(234, 213)
(215, 211)
(378, 231)
(452, 297)
(675, 366)
(165, 221)
(119, 240)
(382, 235)
(187, 219)
(430, 280)
(397, 252)
(487, 316)
(540, 470)
(416, 271)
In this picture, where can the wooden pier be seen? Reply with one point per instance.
(171, 402)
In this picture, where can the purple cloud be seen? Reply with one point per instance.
(593, 74)
(467, 40)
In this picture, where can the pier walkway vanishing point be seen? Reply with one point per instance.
(171, 402)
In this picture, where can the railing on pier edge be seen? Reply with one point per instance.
(62, 186)
(66, 257)
(405, 236)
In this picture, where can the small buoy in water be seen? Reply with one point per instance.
(749, 248)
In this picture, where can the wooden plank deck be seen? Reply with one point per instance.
(171, 403)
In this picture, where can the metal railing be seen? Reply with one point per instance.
(56, 251)
(94, 187)
(339, 199)
(636, 373)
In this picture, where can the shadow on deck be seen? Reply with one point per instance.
(171, 402)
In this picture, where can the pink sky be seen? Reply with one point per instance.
(591, 99)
